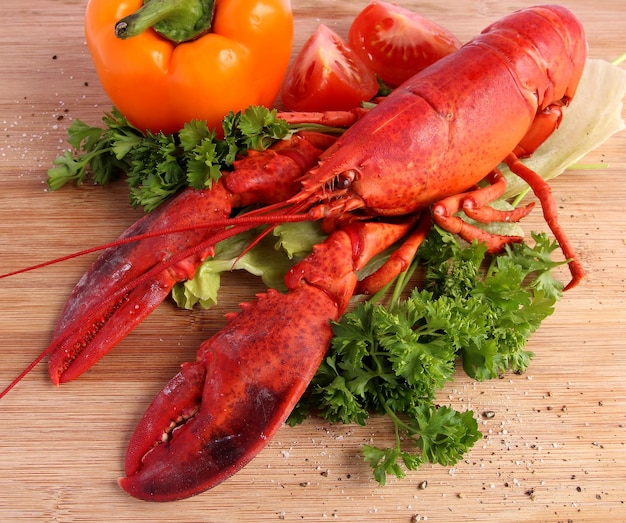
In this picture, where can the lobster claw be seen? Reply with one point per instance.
(217, 413)
(119, 291)
(129, 279)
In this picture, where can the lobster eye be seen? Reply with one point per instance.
(344, 180)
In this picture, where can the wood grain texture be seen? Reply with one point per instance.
(554, 451)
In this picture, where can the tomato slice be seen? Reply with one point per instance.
(397, 43)
(327, 75)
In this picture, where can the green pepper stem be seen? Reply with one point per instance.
(176, 20)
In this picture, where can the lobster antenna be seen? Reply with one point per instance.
(244, 219)
(239, 224)
(65, 258)
(23, 374)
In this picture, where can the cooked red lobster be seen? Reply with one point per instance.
(416, 158)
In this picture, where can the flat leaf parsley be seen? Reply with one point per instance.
(393, 359)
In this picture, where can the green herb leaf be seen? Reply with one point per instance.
(158, 165)
(394, 359)
(445, 435)
(256, 128)
(96, 150)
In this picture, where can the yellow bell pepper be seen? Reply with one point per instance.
(166, 62)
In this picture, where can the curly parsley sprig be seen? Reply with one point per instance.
(394, 359)
(158, 165)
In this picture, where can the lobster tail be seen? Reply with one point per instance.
(564, 67)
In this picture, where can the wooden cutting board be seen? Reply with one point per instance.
(553, 451)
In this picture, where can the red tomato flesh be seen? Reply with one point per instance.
(397, 43)
(327, 75)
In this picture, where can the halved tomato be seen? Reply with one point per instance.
(397, 43)
(327, 75)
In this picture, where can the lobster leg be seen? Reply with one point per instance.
(544, 124)
(114, 296)
(327, 118)
(398, 261)
(474, 204)
(217, 413)
(543, 192)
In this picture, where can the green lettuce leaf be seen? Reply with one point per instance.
(270, 259)
(593, 116)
